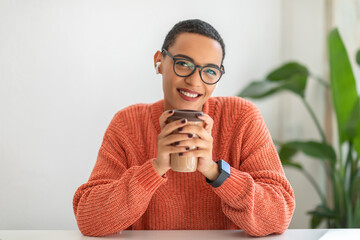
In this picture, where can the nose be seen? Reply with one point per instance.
(194, 79)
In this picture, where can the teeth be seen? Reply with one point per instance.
(192, 95)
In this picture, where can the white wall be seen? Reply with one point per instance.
(67, 66)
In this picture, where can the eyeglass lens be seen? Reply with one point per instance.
(185, 68)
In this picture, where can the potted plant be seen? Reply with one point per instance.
(342, 208)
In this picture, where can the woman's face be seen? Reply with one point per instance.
(202, 50)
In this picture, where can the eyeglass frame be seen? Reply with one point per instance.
(196, 66)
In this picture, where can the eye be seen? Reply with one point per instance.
(210, 72)
(186, 64)
(182, 63)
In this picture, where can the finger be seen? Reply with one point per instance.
(171, 127)
(198, 131)
(174, 139)
(208, 122)
(195, 142)
(164, 116)
(196, 153)
(173, 149)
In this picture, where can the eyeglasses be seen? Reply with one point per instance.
(183, 67)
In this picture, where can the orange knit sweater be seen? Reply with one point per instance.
(124, 190)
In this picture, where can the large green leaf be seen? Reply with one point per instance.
(356, 184)
(286, 154)
(320, 213)
(342, 81)
(265, 88)
(296, 84)
(287, 71)
(314, 149)
(357, 213)
(259, 89)
(355, 198)
(287, 151)
(353, 122)
(316, 220)
(291, 164)
(353, 126)
(357, 145)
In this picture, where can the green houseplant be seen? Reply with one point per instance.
(342, 208)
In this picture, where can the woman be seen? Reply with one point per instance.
(239, 182)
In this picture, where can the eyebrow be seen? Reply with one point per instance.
(184, 56)
(208, 64)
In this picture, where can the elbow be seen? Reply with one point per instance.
(268, 230)
(276, 222)
(281, 221)
(94, 225)
(91, 225)
(96, 230)
(284, 217)
(88, 232)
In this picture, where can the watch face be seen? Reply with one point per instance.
(225, 167)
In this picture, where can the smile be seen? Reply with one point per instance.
(193, 95)
(189, 96)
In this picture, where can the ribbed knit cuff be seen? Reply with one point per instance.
(238, 186)
(149, 178)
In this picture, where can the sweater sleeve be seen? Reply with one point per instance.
(257, 197)
(115, 196)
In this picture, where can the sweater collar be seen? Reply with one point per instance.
(157, 109)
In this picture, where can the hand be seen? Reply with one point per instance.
(168, 142)
(204, 144)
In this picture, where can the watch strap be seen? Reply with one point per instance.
(224, 169)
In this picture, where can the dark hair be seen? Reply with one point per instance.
(193, 26)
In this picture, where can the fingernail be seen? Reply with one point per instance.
(190, 135)
(180, 154)
(180, 129)
(171, 111)
(187, 148)
(183, 121)
(176, 143)
(199, 114)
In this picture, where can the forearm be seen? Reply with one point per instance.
(260, 204)
(104, 207)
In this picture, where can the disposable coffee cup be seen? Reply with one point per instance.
(182, 163)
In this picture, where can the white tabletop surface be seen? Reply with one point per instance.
(290, 234)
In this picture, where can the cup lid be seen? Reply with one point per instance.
(190, 115)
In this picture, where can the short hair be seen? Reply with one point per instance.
(193, 26)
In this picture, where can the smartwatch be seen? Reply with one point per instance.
(224, 169)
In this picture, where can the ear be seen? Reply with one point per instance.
(158, 59)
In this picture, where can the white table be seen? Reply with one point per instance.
(290, 234)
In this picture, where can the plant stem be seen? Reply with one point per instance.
(341, 164)
(350, 175)
(349, 170)
(338, 202)
(315, 185)
(321, 81)
(315, 120)
(328, 173)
